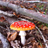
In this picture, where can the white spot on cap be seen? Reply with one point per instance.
(29, 26)
(15, 23)
(19, 25)
(15, 26)
(23, 26)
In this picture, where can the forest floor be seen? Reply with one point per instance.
(33, 38)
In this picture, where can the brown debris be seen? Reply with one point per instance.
(12, 37)
(2, 19)
(44, 28)
(39, 46)
(15, 44)
(1, 45)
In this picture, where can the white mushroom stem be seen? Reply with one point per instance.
(22, 34)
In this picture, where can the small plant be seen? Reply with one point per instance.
(40, 43)
(47, 25)
(45, 10)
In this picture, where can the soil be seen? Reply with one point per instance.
(33, 37)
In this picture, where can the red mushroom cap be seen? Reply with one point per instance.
(22, 25)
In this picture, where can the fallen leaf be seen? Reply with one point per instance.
(44, 28)
(39, 46)
(14, 13)
(12, 37)
(2, 19)
(41, 12)
(43, 0)
(21, 6)
(31, 9)
(34, 6)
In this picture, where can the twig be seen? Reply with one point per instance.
(35, 2)
(4, 41)
(42, 37)
(2, 27)
(5, 13)
(30, 13)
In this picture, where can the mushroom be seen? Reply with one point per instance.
(22, 26)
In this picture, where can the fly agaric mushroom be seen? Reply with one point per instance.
(22, 26)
